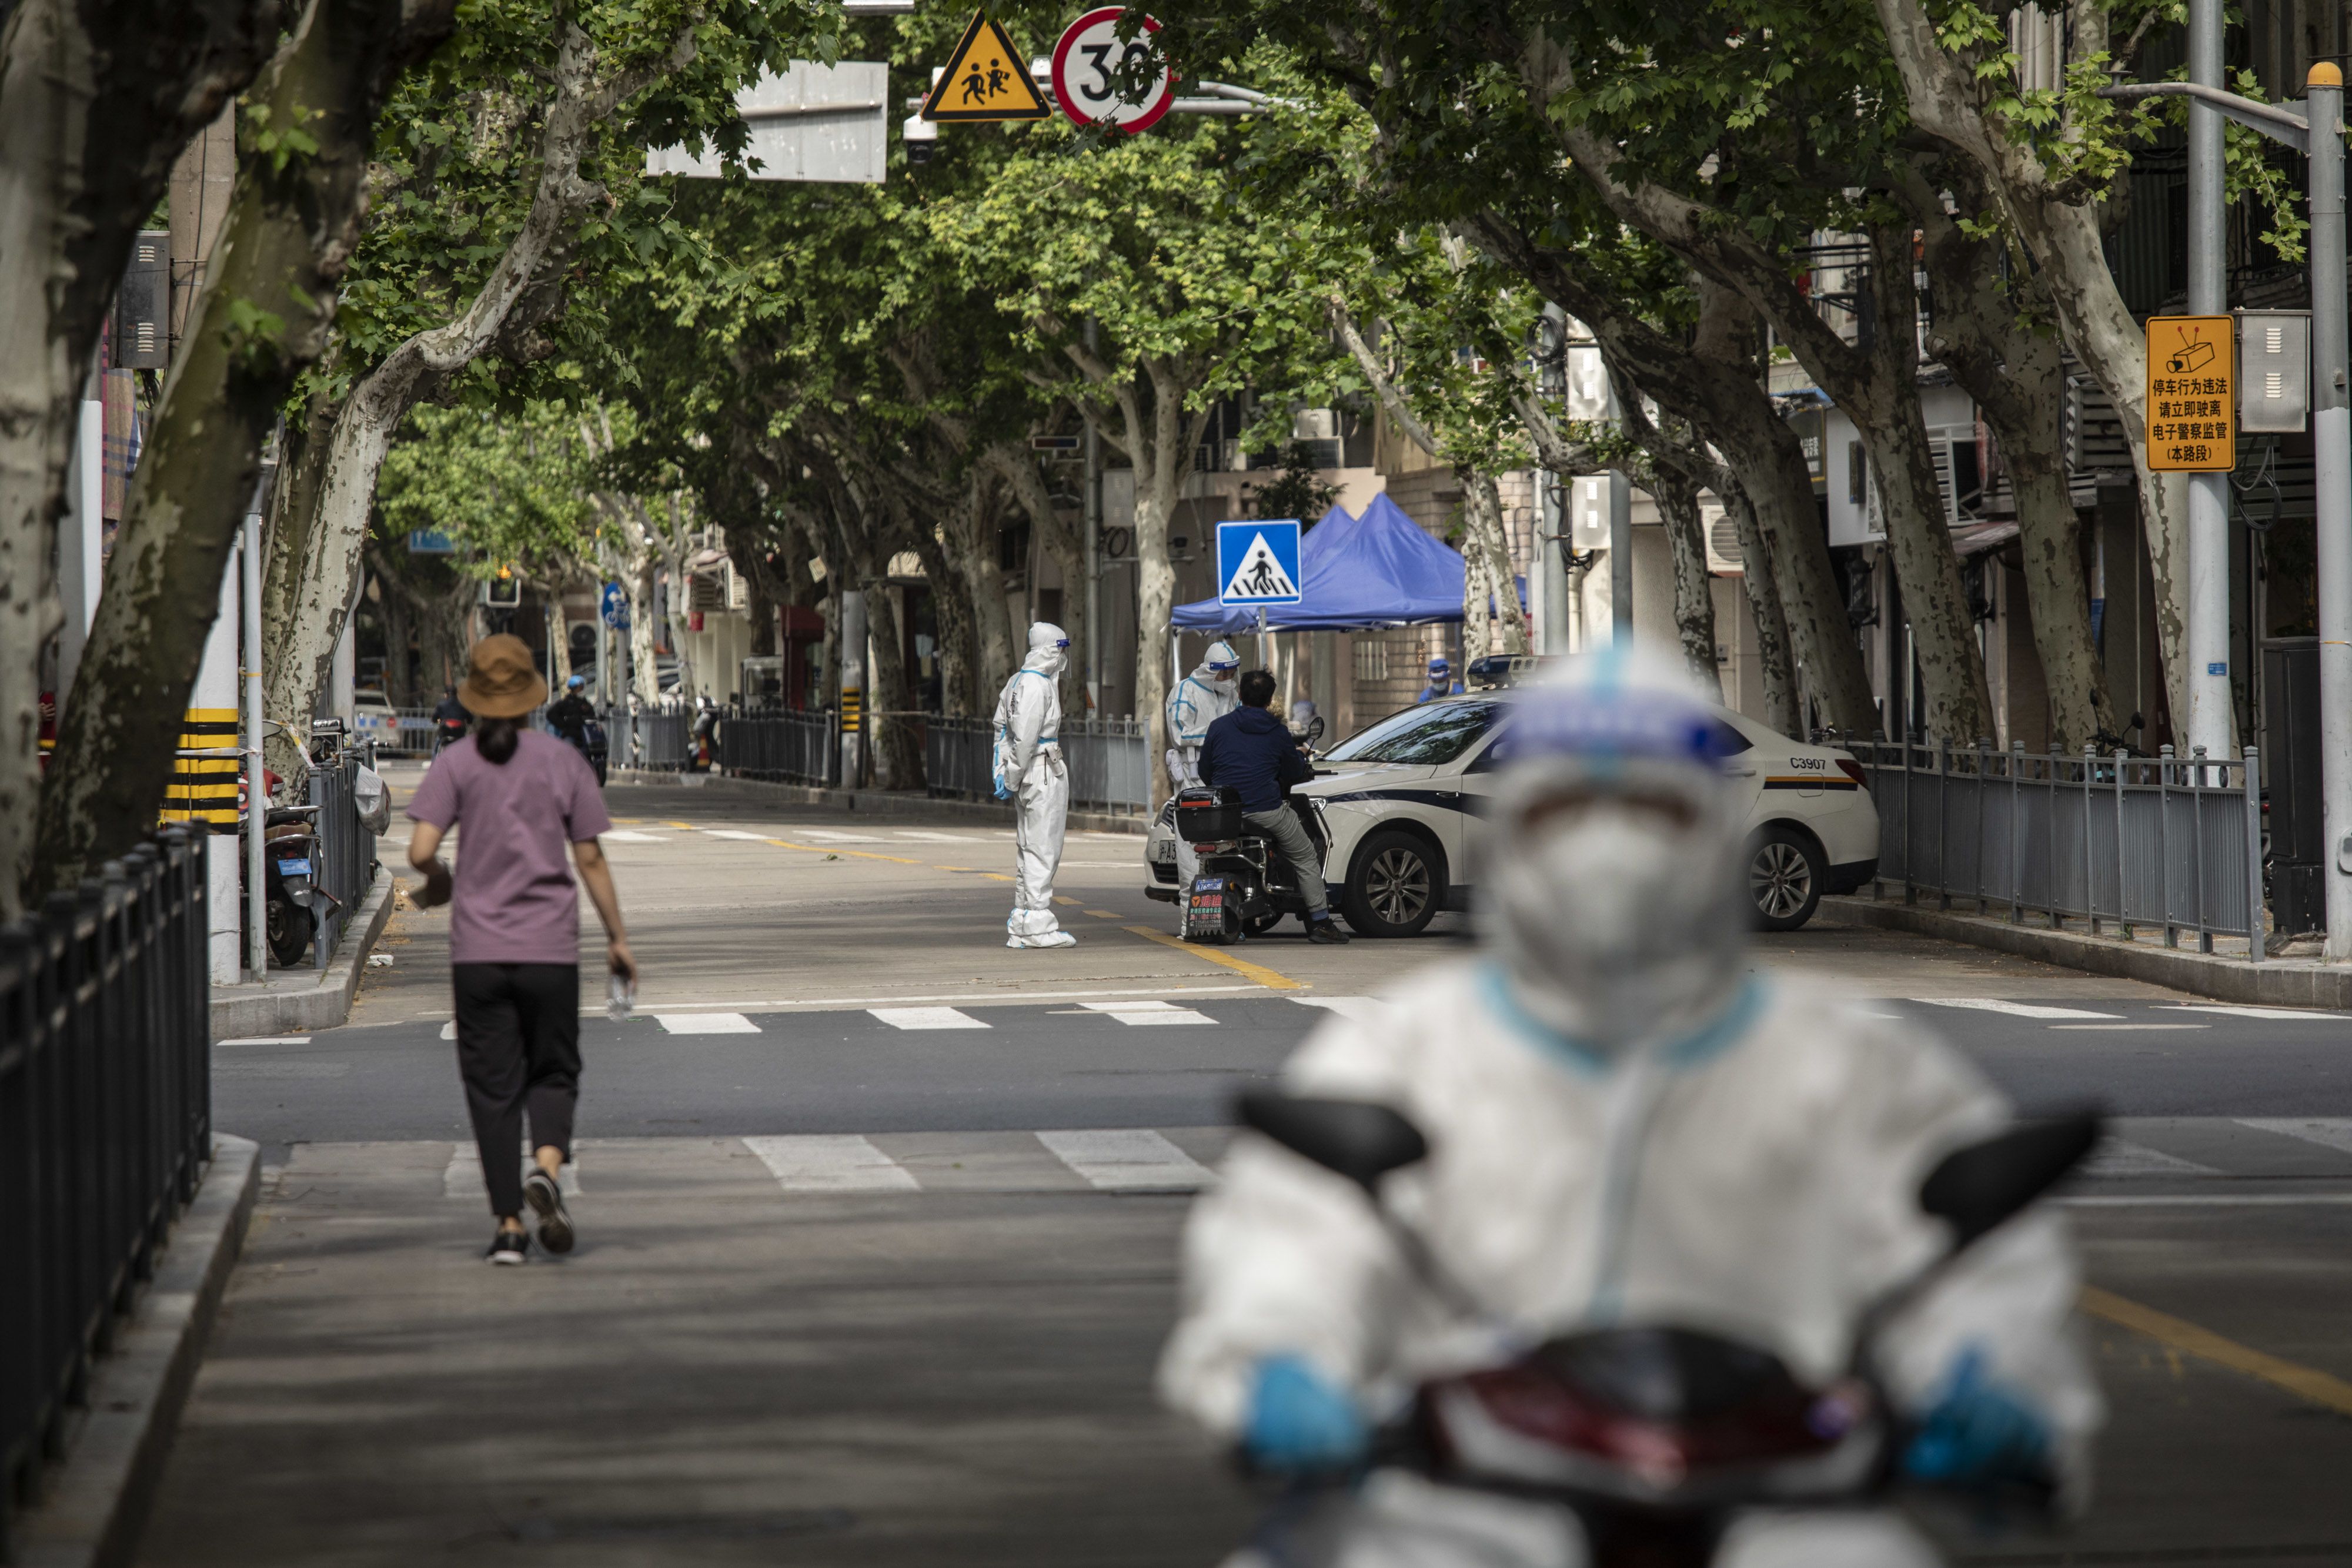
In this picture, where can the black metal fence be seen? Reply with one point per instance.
(658, 740)
(1110, 765)
(344, 859)
(789, 746)
(105, 1124)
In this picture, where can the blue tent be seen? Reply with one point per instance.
(1379, 570)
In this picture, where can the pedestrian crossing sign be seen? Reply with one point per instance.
(1257, 562)
(985, 78)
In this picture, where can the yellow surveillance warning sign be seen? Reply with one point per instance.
(986, 78)
(2192, 394)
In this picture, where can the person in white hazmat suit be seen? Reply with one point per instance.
(1211, 691)
(1625, 1128)
(1030, 773)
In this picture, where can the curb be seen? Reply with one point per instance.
(2275, 982)
(97, 1502)
(241, 1011)
(871, 803)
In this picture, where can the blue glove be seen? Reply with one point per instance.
(1978, 1432)
(1298, 1420)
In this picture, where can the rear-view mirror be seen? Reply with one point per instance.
(1354, 1138)
(1976, 1187)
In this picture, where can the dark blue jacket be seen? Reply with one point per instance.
(1253, 752)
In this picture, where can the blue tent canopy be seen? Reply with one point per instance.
(1361, 573)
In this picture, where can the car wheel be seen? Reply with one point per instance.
(1395, 888)
(1786, 875)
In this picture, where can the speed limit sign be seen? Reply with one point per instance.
(1087, 64)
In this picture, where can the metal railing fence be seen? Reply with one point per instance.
(659, 741)
(1109, 765)
(2166, 842)
(344, 859)
(105, 1124)
(788, 746)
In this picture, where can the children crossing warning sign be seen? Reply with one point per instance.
(986, 78)
(1257, 562)
(2192, 394)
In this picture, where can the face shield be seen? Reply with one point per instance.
(1220, 666)
(1612, 895)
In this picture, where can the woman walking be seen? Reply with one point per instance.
(514, 931)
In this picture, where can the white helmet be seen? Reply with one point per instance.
(1049, 648)
(1613, 889)
(1221, 664)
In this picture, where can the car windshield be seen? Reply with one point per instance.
(1432, 734)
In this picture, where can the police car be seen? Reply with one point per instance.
(1402, 806)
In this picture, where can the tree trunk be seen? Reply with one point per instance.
(2015, 374)
(288, 233)
(897, 753)
(1764, 605)
(394, 605)
(1694, 593)
(1482, 508)
(952, 613)
(1062, 541)
(970, 530)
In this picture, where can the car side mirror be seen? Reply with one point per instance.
(1354, 1138)
(1975, 1188)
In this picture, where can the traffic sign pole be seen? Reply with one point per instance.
(2209, 707)
(2331, 429)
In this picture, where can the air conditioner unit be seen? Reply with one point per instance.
(1722, 535)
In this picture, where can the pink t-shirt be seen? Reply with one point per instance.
(513, 901)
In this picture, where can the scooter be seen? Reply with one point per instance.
(291, 897)
(447, 733)
(1654, 1438)
(592, 746)
(1245, 885)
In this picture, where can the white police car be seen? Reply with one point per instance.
(1402, 803)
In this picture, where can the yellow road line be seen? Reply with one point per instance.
(1105, 914)
(1258, 972)
(1059, 899)
(2303, 1382)
(683, 827)
(823, 849)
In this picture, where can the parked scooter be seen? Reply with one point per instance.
(1654, 1437)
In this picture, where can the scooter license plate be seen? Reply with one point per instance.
(1204, 906)
(294, 868)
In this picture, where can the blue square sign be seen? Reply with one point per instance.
(1257, 562)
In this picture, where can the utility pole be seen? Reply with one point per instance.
(1094, 555)
(2314, 127)
(2210, 707)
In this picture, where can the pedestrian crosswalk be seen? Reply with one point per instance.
(1132, 1012)
(925, 1017)
(2253, 1162)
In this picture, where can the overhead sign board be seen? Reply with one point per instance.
(1257, 563)
(2192, 394)
(430, 541)
(985, 78)
(810, 122)
(1087, 66)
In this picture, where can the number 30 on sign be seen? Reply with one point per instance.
(1087, 64)
(2192, 394)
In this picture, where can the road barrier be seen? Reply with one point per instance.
(343, 861)
(787, 745)
(2166, 842)
(1109, 766)
(105, 1124)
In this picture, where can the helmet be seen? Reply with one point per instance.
(1438, 666)
(1222, 658)
(575, 682)
(1614, 893)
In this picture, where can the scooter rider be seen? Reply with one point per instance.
(1255, 754)
(450, 720)
(1626, 1129)
(1200, 699)
(571, 717)
(1030, 772)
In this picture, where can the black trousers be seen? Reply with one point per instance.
(517, 1050)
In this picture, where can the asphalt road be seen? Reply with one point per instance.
(858, 1293)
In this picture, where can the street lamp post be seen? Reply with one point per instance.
(2294, 125)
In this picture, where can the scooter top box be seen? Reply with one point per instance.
(1207, 814)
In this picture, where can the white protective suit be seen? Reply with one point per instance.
(1029, 770)
(1211, 691)
(1657, 1140)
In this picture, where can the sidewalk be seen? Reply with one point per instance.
(297, 1001)
(724, 1372)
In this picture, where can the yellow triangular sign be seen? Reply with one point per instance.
(986, 78)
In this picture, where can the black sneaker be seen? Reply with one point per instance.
(546, 1200)
(509, 1248)
(1327, 931)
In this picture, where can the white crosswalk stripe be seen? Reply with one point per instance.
(2250, 1012)
(1145, 1013)
(707, 1023)
(735, 833)
(2015, 1010)
(449, 1029)
(1363, 1009)
(2328, 1132)
(267, 1040)
(1128, 1160)
(925, 1017)
(828, 836)
(627, 836)
(831, 1162)
(462, 1176)
(2118, 1157)
(940, 837)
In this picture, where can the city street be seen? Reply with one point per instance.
(879, 1223)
